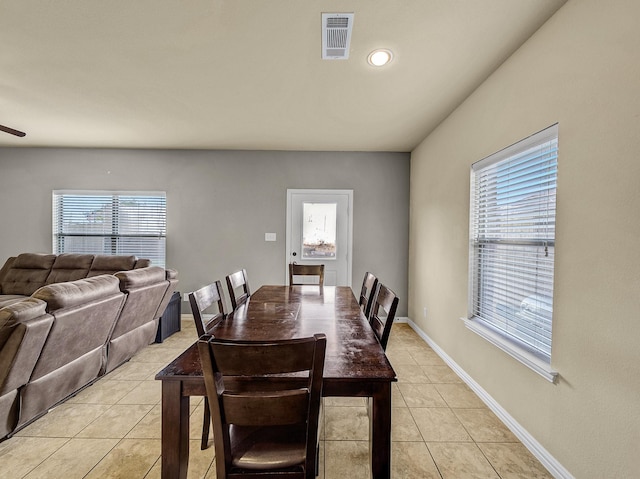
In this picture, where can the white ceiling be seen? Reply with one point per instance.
(246, 74)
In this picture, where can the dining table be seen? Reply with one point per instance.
(355, 363)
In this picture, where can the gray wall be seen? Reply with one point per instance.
(219, 205)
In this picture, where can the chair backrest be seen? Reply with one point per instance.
(238, 286)
(383, 312)
(250, 391)
(306, 270)
(369, 284)
(202, 301)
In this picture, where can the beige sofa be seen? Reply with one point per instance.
(66, 320)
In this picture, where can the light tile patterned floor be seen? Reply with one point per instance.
(440, 428)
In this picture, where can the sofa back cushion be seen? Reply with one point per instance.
(138, 278)
(5, 268)
(74, 293)
(103, 264)
(69, 267)
(28, 272)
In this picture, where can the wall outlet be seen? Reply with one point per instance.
(270, 237)
(424, 312)
(185, 297)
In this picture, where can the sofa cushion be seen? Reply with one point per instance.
(28, 272)
(65, 295)
(103, 264)
(69, 267)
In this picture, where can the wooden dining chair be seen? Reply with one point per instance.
(369, 285)
(264, 422)
(306, 270)
(383, 312)
(207, 307)
(238, 286)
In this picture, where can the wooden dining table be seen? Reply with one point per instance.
(355, 363)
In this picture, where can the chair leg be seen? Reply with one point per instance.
(206, 423)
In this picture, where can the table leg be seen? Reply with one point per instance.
(380, 432)
(175, 431)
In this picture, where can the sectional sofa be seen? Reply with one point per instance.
(66, 320)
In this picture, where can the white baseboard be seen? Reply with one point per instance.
(554, 467)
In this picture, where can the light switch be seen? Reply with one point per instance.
(269, 236)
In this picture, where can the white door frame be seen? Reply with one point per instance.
(349, 193)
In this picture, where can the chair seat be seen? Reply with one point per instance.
(268, 448)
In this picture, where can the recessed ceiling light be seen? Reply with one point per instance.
(380, 57)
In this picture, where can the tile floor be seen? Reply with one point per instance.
(440, 429)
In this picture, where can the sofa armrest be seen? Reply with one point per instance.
(81, 291)
(171, 274)
(172, 278)
(24, 327)
(18, 312)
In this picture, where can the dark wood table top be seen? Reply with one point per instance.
(280, 312)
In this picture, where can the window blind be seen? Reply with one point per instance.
(111, 223)
(512, 237)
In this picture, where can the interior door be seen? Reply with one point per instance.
(319, 231)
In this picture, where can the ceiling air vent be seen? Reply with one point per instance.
(336, 35)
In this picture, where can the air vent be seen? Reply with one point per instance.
(336, 35)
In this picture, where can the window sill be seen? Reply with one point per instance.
(521, 355)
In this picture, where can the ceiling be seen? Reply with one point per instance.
(246, 74)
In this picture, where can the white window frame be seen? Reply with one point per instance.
(509, 250)
(120, 225)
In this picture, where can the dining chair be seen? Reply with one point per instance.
(369, 284)
(306, 270)
(383, 312)
(265, 420)
(238, 286)
(203, 302)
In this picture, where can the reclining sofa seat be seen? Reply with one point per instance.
(24, 327)
(138, 321)
(84, 315)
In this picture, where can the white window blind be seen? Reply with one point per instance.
(111, 223)
(512, 238)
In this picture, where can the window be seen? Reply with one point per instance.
(111, 222)
(319, 230)
(512, 248)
